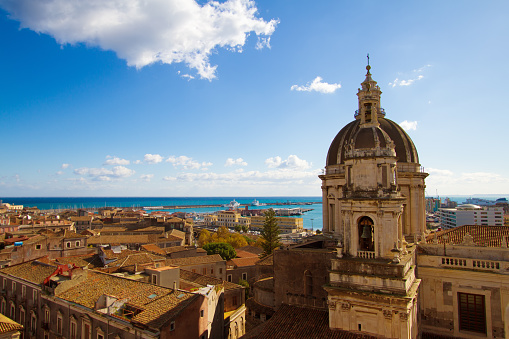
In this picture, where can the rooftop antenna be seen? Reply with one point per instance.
(368, 59)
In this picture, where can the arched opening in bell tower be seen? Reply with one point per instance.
(366, 234)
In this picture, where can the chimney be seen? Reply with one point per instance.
(174, 285)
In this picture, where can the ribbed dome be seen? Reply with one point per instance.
(367, 138)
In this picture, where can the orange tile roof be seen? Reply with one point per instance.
(8, 325)
(87, 260)
(243, 262)
(155, 310)
(489, 236)
(291, 322)
(153, 248)
(198, 280)
(251, 249)
(244, 254)
(32, 271)
(203, 259)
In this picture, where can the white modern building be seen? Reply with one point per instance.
(469, 214)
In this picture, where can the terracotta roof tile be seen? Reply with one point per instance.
(243, 262)
(301, 322)
(158, 304)
(203, 259)
(87, 260)
(153, 248)
(8, 325)
(489, 236)
(198, 280)
(32, 271)
(245, 254)
(251, 249)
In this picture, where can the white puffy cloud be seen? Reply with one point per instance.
(104, 174)
(64, 166)
(231, 162)
(146, 177)
(116, 161)
(449, 182)
(408, 125)
(187, 162)
(152, 158)
(318, 86)
(293, 162)
(60, 172)
(145, 32)
(412, 77)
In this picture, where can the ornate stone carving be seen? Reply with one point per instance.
(387, 314)
(403, 316)
(345, 306)
(468, 240)
(332, 304)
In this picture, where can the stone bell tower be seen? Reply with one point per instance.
(373, 288)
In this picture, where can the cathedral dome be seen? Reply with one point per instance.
(371, 130)
(366, 138)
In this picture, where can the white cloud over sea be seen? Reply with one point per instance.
(145, 32)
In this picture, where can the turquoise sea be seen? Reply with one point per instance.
(311, 219)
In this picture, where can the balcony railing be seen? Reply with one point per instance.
(366, 254)
(471, 263)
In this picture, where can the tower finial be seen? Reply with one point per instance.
(368, 67)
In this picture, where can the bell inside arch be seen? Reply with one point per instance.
(366, 232)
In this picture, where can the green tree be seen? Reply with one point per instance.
(245, 228)
(246, 286)
(226, 251)
(270, 233)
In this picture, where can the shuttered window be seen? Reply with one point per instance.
(472, 312)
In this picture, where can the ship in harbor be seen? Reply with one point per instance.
(233, 204)
(257, 203)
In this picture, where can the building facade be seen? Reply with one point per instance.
(469, 214)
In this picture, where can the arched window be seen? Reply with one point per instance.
(366, 234)
(308, 283)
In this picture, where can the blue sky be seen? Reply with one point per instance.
(240, 98)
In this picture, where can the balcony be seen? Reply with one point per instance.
(366, 254)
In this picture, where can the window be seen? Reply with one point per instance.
(172, 326)
(229, 278)
(33, 323)
(12, 314)
(59, 323)
(34, 295)
(211, 271)
(204, 271)
(74, 328)
(220, 271)
(244, 276)
(46, 315)
(14, 286)
(4, 283)
(68, 244)
(308, 283)
(22, 316)
(202, 313)
(154, 279)
(38, 247)
(86, 329)
(77, 243)
(472, 312)
(23, 291)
